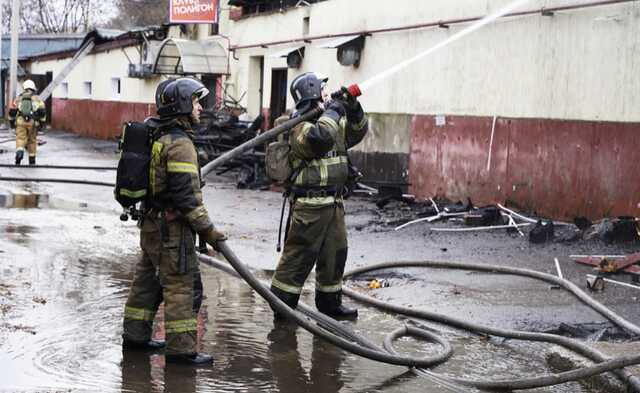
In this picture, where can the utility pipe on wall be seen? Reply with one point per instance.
(441, 23)
(13, 68)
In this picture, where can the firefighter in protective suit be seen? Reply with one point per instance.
(26, 114)
(173, 214)
(317, 234)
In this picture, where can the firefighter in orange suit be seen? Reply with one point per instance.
(26, 114)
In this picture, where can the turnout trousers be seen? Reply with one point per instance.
(317, 236)
(168, 271)
(26, 135)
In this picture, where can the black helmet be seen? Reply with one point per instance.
(307, 89)
(174, 97)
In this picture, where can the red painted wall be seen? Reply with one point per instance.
(555, 168)
(99, 119)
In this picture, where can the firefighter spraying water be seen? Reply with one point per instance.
(357, 89)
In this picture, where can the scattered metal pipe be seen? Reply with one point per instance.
(513, 223)
(435, 205)
(429, 219)
(624, 284)
(528, 219)
(520, 216)
(476, 229)
(558, 268)
(597, 256)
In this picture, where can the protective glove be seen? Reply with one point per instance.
(12, 123)
(337, 106)
(212, 237)
(352, 106)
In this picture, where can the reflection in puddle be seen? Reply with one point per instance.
(23, 200)
(18, 234)
(77, 340)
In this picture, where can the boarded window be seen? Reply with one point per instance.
(64, 90)
(87, 89)
(116, 88)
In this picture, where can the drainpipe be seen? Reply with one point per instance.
(13, 68)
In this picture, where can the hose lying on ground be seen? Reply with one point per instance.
(339, 335)
(95, 168)
(376, 353)
(571, 344)
(68, 181)
(568, 285)
(526, 383)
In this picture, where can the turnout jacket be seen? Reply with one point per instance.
(174, 175)
(37, 107)
(319, 153)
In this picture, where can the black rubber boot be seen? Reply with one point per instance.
(151, 345)
(19, 156)
(331, 305)
(195, 359)
(290, 299)
(32, 160)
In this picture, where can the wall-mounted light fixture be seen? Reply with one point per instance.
(294, 55)
(294, 58)
(349, 49)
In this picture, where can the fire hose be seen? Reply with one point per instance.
(329, 332)
(344, 338)
(340, 336)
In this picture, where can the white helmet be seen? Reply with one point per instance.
(28, 84)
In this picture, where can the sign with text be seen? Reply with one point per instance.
(193, 11)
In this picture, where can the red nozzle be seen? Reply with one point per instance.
(354, 90)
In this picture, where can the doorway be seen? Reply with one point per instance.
(278, 104)
(211, 82)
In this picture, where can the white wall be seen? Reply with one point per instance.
(580, 64)
(100, 68)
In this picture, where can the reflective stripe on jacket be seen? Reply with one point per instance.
(332, 168)
(174, 177)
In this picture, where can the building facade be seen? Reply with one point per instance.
(116, 81)
(31, 45)
(540, 109)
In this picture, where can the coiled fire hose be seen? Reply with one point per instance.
(372, 352)
(339, 335)
(568, 343)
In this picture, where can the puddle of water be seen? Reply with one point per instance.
(81, 284)
(23, 200)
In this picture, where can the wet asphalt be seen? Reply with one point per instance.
(66, 262)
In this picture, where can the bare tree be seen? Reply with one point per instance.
(139, 13)
(61, 16)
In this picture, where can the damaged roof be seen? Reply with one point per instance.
(100, 36)
(110, 37)
(40, 44)
(285, 3)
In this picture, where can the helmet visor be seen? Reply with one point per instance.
(201, 93)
